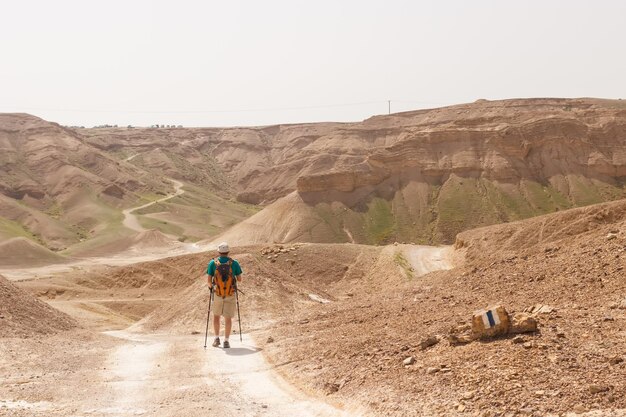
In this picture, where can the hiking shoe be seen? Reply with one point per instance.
(216, 342)
(226, 344)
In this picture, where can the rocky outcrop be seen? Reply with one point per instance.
(346, 181)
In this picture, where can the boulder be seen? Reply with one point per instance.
(523, 323)
(491, 322)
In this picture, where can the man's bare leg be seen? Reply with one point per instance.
(216, 325)
(227, 327)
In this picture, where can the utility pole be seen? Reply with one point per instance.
(389, 106)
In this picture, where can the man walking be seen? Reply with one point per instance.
(223, 274)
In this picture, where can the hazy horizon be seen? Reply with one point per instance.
(259, 63)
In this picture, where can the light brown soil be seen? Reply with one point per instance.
(21, 315)
(338, 320)
(20, 252)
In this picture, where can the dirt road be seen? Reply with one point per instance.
(168, 375)
(131, 221)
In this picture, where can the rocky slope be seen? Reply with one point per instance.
(430, 174)
(387, 344)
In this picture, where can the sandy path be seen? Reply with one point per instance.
(130, 158)
(131, 221)
(425, 259)
(166, 375)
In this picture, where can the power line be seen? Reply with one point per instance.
(247, 110)
(206, 111)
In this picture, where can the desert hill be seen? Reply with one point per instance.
(58, 190)
(20, 251)
(22, 315)
(61, 192)
(420, 176)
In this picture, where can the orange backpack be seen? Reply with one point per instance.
(224, 279)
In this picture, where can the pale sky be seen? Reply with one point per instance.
(225, 63)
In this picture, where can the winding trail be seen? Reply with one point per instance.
(131, 221)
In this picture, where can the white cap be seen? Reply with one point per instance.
(223, 248)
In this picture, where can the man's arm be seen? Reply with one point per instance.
(210, 272)
(237, 271)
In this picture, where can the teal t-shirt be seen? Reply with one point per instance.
(223, 259)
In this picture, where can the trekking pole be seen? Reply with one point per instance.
(238, 315)
(208, 314)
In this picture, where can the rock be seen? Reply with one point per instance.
(596, 389)
(615, 360)
(467, 395)
(318, 299)
(408, 361)
(331, 387)
(523, 323)
(428, 342)
(270, 339)
(194, 332)
(540, 393)
(528, 345)
(491, 322)
(611, 236)
(457, 340)
(432, 370)
(579, 409)
(518, 339)
(560, 333)
(622, 304)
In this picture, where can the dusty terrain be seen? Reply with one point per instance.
(104, 236)
(339, 321)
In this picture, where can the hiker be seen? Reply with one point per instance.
(221, 274)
